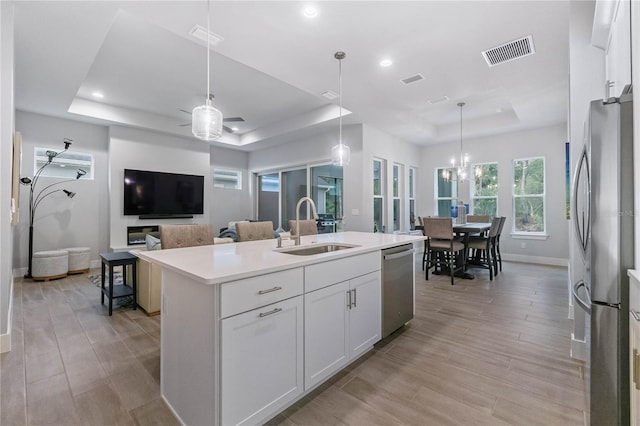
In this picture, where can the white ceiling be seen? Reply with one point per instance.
(273, 65)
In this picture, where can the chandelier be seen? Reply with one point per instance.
(461, 164)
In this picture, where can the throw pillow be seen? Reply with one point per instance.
(153, 243)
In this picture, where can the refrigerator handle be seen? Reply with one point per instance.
(581, 223)
(586, 306)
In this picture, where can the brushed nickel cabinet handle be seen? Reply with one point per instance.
(348, 299)
(355, 297)
(270, 290)
(275, 311)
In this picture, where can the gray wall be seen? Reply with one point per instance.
(62, 222)
(548, 142)
(229, 204)
(6, 144)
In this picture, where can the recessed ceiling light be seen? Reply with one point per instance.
(309, 12)
(98, 95)
(235, 129)
(386, 62)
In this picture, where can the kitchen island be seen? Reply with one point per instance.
(248, 329)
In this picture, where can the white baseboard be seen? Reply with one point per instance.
(552, 261)
(95, 263)
(578, 349)
(5, 339)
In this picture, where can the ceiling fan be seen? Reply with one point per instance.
(225, 119)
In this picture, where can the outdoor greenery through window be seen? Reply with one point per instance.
(378, 194)
(529, 195)
(65, 165)
(396, 197)
(227, 179)
(484, 189)
(446, 191)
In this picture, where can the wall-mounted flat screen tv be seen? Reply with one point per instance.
(159, 193)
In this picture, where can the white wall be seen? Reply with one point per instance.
(143, 150)
(229, 204)
(6, 148)
(377, 144)
(62, 222)
(635, 54)
(547, 142)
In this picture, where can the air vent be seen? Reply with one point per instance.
(330, 95)
(412, 79)
(509, 51)
(438, 100)
(201, 34)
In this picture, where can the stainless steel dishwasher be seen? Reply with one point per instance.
(398, 277)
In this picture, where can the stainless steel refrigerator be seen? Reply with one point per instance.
(603, 218)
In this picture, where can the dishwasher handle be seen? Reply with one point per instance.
(399, 255)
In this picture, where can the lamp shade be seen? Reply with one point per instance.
(207, 123)
(340, 155)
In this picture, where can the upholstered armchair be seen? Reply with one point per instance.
(307, 227)
(254, 231)
(177, 236)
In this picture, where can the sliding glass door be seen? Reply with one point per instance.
(294, 187)
(268, 196)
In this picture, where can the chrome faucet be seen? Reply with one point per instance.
(313, 209)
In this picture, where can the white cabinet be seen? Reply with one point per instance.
(261, 366)
(342, 321)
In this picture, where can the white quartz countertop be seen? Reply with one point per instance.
(216, 264)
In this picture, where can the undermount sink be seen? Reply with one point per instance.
(316, 249)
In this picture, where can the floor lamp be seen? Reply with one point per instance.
(34, 201)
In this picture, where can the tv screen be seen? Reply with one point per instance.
(158, 193)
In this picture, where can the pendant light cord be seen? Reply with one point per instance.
(208, 52)
(340, 86)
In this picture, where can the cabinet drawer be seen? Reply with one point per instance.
(244, 295)
(323, 274)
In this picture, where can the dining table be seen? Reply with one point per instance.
(466, 230)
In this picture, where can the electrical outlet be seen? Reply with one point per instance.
(523, 245)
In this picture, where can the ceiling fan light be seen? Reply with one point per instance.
(206, 123)
(340, 155)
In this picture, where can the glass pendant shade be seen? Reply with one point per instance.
(206, 122)
(340, 155)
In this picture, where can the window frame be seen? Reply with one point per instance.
(472, 186)
(381, 195)
(437, 198)
(40, 158)
(413, 172)
(543, 235)
(397, 172)
(238, 174)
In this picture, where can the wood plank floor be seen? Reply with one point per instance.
(480, 352)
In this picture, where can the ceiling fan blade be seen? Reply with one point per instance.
(227, 129)
(185, 124)
(185, 111)
(233, 119)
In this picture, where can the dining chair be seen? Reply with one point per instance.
(424, 253)
(478, 218)
(254, 231)
(485, 249)
(503, 219)
(441, 247)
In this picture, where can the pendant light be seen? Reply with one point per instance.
(463, 165)
(340, 153)
(206, 121)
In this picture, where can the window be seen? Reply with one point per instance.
(396, 197)
(484, 189)
(412, 197)
(378, 194)
(446, 191)
(528, 195)
(65, 165)
(227, 179)
(327, 190)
